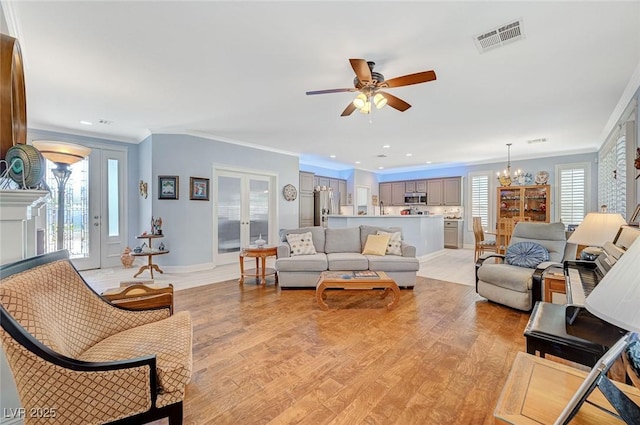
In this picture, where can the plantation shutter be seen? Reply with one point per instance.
(572, 196)
(480, 198)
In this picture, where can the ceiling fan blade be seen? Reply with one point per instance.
(348, 110)
(362, 70)
(407, 80)
(395, 102)
(329, 91)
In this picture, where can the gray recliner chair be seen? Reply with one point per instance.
(516, 286)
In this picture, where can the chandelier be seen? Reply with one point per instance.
(505, 178)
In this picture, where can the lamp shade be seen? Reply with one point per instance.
(596, 229)
(61, 152)
(617, 297)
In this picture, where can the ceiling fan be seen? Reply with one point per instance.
(369, 83)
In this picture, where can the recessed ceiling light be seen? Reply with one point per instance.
(408, 154)
(380, 168)
(86, 122)
(357, 162)
(386, 146)
(428, 162)
(332, 156)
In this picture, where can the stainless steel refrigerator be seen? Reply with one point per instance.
(325, 202)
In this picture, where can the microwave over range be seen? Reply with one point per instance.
(415, 198)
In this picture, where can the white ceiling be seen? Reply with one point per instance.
(238, 71)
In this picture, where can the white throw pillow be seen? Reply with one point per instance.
(394, 246)
(301, 243)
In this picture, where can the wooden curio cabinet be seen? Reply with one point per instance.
(525, 202)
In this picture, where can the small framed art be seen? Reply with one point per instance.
(168, 187)
(199, 189)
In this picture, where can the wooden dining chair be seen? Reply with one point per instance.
(504, 230)
(482, 245)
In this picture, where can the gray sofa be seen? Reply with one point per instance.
(341, 249)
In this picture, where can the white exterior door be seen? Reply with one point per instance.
(94, 223)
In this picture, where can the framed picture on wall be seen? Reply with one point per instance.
(635, 218)
(199, 189)
(168, 187)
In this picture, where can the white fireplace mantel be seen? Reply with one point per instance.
(18, 208)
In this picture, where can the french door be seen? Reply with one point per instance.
(94, 205)
(244, 212)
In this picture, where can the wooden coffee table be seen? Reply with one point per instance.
(347, 280)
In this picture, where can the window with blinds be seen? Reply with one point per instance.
(612, 176)
(572, 192)
(480, 202)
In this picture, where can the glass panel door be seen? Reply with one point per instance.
(244, 213)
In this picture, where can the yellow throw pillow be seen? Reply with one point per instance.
(376, 244)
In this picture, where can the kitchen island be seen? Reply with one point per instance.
(425, 232)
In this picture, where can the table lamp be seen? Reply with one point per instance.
(595, 230)
(615, 299)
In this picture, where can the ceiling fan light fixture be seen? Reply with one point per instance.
(360, 101)
(366, 108)
(379, 100)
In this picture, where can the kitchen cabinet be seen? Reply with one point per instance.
(453, 234)
(322, 181)
(419, 186)
(397, 193)
(525, 202)
(446, 191)
(342, 187)
(305, 199)
(384, 190)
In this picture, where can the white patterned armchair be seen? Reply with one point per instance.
(84, 359)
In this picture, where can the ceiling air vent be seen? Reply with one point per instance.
(499, 36)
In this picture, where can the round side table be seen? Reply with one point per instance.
(261, 271)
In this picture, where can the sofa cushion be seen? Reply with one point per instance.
(168, 339)
(317, 234)
(516, 278)
(347, 261)
(526, 254)
(366, 230)
(303, 263)
(301, 243)
(343, 239)
(393, 263)
(394, 246)
(376, 244)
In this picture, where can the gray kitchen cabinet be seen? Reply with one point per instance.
(342, 187)
(397, 193)
(410, 186)
(445, 191)
(306, 181)
(305, 199)
(324, 181)
(453, 234)
(421, 186)
(384, 190)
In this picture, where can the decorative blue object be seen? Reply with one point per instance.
(346, 276)
(526, 254)
(633, 354)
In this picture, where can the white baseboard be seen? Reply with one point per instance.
(431, 255)
(188, 269)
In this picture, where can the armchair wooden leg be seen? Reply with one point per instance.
(175, 414)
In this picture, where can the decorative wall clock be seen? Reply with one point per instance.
(289, 192)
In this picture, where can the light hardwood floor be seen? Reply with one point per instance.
(266, 356)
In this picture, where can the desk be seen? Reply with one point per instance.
(261, 271)
(537, 390)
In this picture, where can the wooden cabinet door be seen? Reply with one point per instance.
(384, 190)
(324, 181)
(452, 191)
(434, 192)
(421, 186)
(397, 193)
(410, 186)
